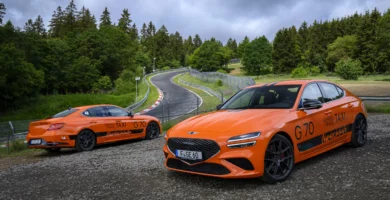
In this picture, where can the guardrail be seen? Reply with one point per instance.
(232, 81)
(373, 98)
(204, 88)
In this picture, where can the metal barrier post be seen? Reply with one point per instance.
(9, 134)
(162, 105)
(221, 95)
(197, 105)
(168, 111)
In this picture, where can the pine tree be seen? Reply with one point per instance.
(303, 36)
(197, 41)
(105, 19)
(70, 17)
(39, 27)
(134, 32)
(151, 30)
(125, 21)
(85, 20)
(2, 12)
(56, 22)
(189, 45)
(367, 40)
(383, 43)
(241, 47)
(144, 33)
(29, 26)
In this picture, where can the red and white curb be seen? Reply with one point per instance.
(159, 100)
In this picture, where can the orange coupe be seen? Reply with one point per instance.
(263, 130)
(84, 127)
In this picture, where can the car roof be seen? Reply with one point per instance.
(91, 106)
(287, 82)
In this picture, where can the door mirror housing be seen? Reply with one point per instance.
(130, 114)
(219, 106)
(311, 104)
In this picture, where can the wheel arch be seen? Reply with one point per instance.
(285, 135)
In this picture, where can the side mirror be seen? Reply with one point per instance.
(219, 106)
(130, 114)
(312, 104)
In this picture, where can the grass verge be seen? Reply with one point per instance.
(209, 102)
(377, 107)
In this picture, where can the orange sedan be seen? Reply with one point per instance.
(263, 130)
(84, 127)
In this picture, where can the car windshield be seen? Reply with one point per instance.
(64, 113)
(264, 97)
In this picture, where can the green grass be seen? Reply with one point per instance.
(212, 85)
(376, 107)
(370, 79)
(153, 96)
(209, 102)
(47, 105)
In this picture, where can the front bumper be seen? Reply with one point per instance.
(51, 139)
(245, 162)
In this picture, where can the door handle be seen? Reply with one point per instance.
(92, 122)
(350, 105)
(328, 112)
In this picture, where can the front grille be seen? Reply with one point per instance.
(207, 168)
(242, 163)
(208, 147)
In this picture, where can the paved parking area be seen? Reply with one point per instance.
(134, 170)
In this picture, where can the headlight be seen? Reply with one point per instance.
(244, 137)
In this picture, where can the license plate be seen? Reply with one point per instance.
(35, 141)
(189, 155)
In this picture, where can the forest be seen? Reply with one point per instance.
(81, 53)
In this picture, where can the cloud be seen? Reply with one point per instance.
(218, 18)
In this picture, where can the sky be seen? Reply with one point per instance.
(221, 19)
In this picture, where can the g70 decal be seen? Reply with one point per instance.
(307, 128)
(141, 124)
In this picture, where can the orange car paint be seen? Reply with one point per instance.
(106, 129)
(328, 124)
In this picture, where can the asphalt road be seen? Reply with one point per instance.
(177, 100)
(134, 170)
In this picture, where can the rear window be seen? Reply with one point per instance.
(64, 113)
(330, 91)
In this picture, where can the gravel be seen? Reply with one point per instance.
(134, 170)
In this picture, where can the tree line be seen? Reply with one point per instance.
(78, 55)
(362, 40)
(82, 53)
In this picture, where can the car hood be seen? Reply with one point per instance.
(230, 121)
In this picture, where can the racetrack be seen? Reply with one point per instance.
(134, 170)
(177, 100)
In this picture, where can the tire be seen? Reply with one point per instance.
(278, 159)
(85, 141)
(152, 130)
(53, 150)
(359, 131)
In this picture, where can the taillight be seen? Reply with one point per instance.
(56, 126)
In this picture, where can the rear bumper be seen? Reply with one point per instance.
(51, 139)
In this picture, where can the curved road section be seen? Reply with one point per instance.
(177, 101)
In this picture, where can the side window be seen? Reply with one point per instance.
(330, 92)
(95, 112)
(116, 112)
(312, 92)
(341, 92)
